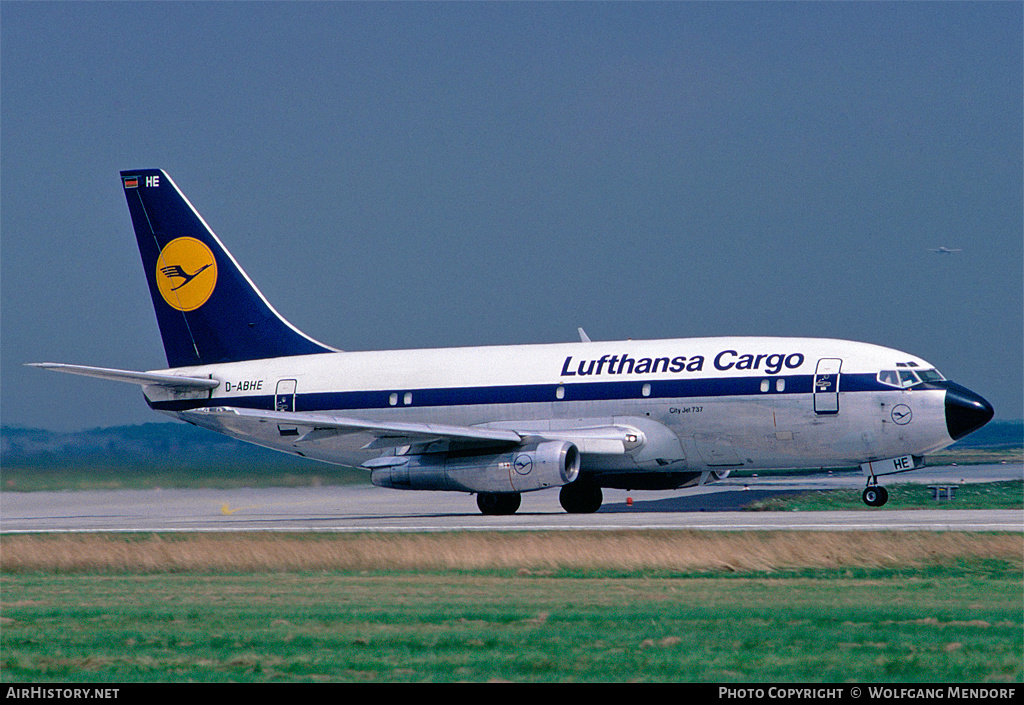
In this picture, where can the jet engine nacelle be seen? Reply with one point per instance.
(548, 464)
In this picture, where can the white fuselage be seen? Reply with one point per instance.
(730, 402)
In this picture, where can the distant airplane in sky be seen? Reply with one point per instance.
(946, 250)
(500, 421)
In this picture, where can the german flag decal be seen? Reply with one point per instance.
(131, 182)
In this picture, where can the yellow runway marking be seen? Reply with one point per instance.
(226, 509)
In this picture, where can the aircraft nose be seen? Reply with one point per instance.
(965, 411)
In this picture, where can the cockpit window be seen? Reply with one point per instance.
(908, 378)
(889, 377)
(904, 378)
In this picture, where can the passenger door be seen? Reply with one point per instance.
(284, 400)
(826, 386)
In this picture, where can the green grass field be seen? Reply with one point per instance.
(982, 495)
(145, 476)
(896, 607)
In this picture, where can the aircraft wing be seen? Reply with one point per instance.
(179, 382)
(313, 427)
(611, 439)
(602, 438)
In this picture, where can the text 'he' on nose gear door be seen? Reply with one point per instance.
(826, 386)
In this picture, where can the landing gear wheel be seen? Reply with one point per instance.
(495, 503)
(875, 496)
(581, 498)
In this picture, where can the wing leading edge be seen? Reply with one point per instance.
(307, 427)
(321, 426)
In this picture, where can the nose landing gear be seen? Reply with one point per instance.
(874, 494)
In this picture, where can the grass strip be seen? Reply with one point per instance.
(980, 495)
(580, 552)
(950, 625)
(532, 607)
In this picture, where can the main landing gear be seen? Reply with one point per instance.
(498, 503)
(580, 497)
(874, 494)
(576, 498)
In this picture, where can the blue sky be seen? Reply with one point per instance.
(401, 175)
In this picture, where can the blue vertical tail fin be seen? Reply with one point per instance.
(208, 309)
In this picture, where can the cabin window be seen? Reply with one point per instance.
(646, 390)
(560, 393)
(765, 385)
(780, 385)
(393, 399)
(408, 398)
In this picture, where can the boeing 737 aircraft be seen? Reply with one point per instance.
(500, 421)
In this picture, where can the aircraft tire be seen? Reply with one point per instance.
(875, 496)
(580, 498)
(498, 503)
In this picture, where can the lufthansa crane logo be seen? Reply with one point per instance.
(186, 273)
(523, 464)
(902, 414)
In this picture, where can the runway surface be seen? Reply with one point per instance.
(367, 508)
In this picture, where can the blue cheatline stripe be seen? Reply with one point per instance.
(535, 393)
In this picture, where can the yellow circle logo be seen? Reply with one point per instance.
(186, 273)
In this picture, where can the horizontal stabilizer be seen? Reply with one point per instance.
(132, 377)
